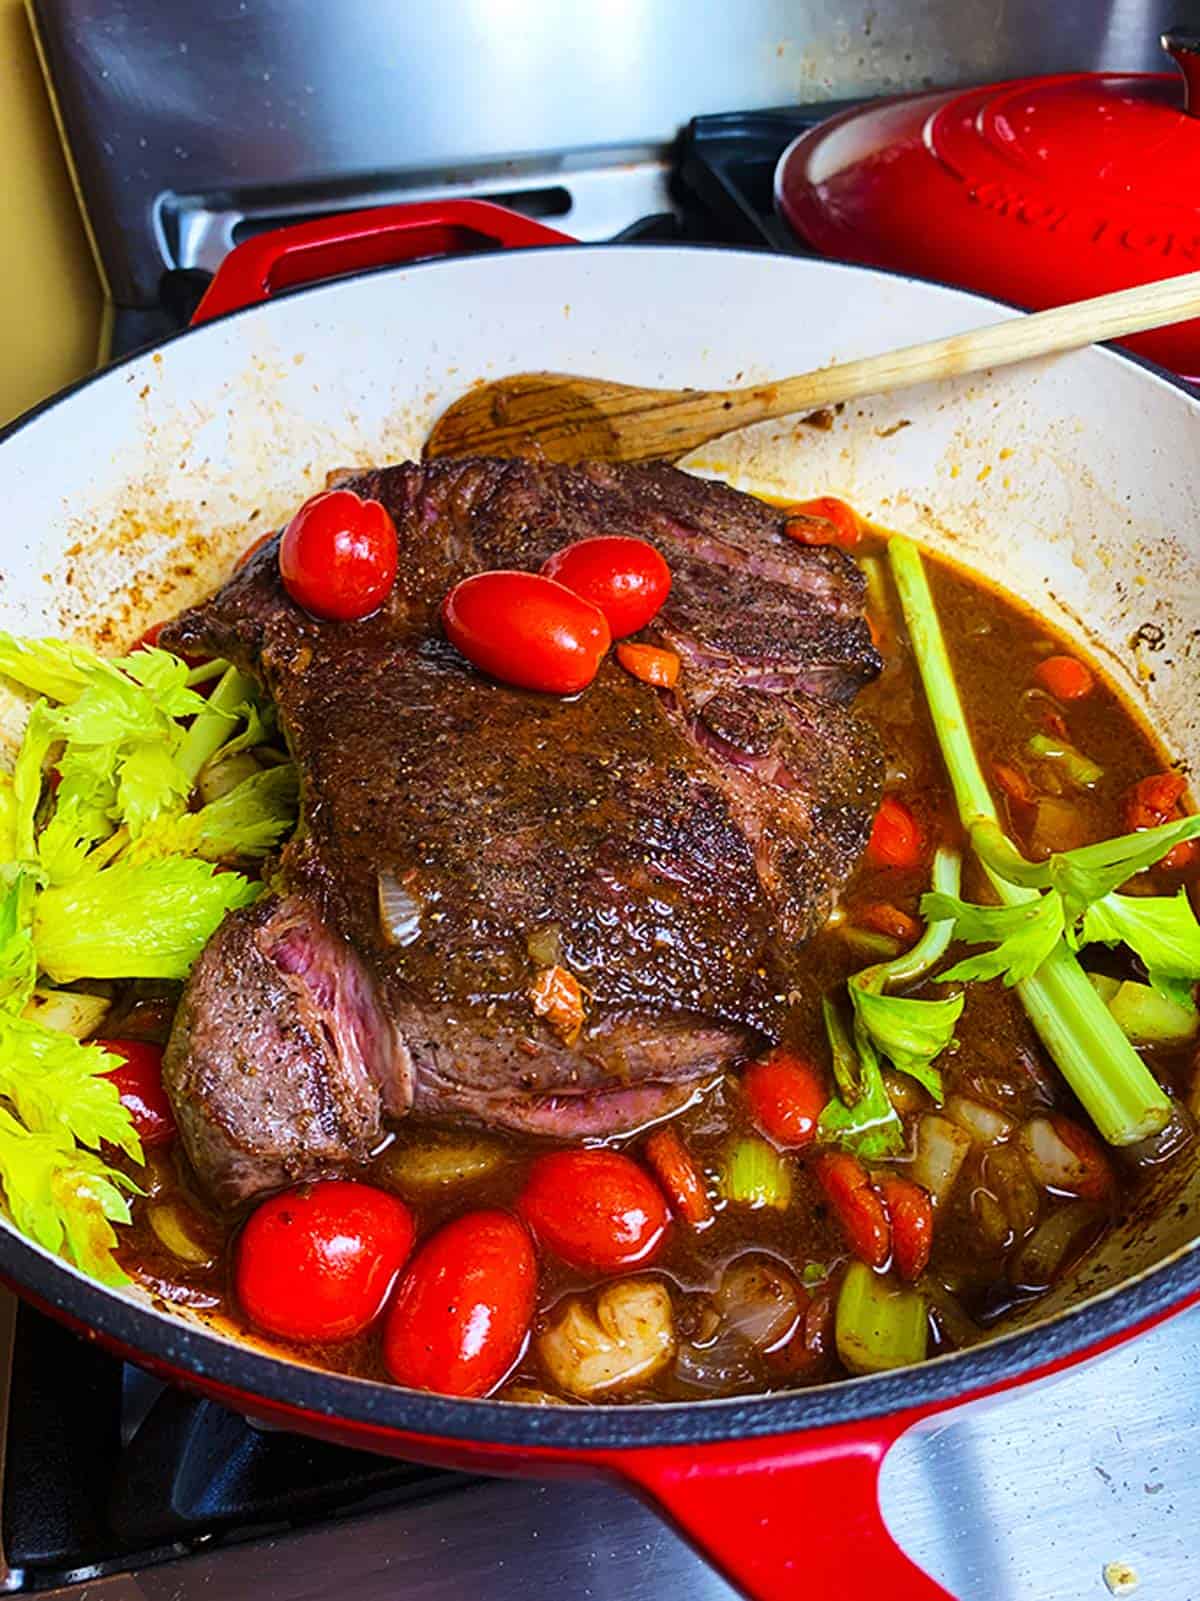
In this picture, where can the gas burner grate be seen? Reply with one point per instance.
(105, 1469)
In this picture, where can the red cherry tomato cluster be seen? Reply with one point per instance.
(338, 556)
(550, 631)
(140, 1086)
(462, 1312)
(321, 1263)
(824, 521)
(890, 1218)
(1064, 677)
(626, 578)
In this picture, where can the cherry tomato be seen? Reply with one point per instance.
(858, 1208)
(1156, 800)
(895, 837)
(252, 550)
(527, 630)
(626, 578)
(681, 1179)
(887, 919)
(462, 1311)
(786, 1097)
(338, 556)
(319, 1262)
(911, 1214)
(595, 1208)
(1064, 677)
(651, 663)
(140, 1086)
(824, 521)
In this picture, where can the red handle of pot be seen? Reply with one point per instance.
(354, 241)
(789, 1518)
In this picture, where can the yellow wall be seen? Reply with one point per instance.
(50, 302)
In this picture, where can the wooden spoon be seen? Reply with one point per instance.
(555, 417)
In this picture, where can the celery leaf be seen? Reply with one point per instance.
(56, 1082)
(911, 1033)
(1024, 935)
(862, 1116)
(1161, 930)
(134, 919)
(64, 1198)
(248, 821)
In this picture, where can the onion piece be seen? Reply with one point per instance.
(983, 1123)
(68, 1011)
(623, 1342)
(942, 1148)
(759, 1301)
(177, 1231)
(1007, 1177)
(529, 1395)
(906, 1095)
(399, 909)
(721, 1367)
(1054, 1243)
(991, 1219)
(545, 945)
(1064, 1157)
(948, 1313)
(218, 778)
(436, 1164)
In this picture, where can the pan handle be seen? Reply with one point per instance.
(789, 1516)
(355, 241)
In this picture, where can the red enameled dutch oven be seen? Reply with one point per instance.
(1070, 482)
(1038, 191)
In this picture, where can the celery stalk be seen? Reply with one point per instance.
(879, 1324)
(1118, 1091)
(211, 727)
(755, 1174)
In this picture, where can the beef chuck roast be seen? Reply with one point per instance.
(672, 849)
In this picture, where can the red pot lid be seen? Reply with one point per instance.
(1039, 191)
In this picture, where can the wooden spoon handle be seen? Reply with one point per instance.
(1042, 333)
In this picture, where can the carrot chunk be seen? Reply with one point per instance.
(651, 663)
(896, 836)
(1065, 678)
(682, 1181)
(911, 1213)
(858, 1207)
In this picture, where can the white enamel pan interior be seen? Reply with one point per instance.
(1071, 482)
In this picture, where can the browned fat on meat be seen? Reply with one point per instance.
(671, 849)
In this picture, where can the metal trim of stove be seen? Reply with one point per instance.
(171, 110)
